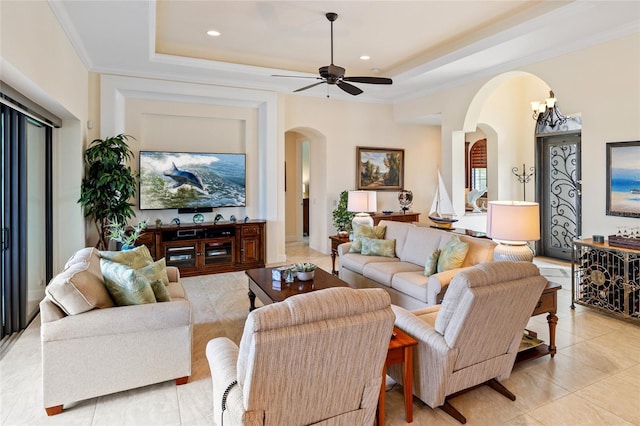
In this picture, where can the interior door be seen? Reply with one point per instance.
(559, 193)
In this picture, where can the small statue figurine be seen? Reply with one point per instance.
(218, 218)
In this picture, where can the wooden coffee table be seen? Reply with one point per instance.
(261, 286)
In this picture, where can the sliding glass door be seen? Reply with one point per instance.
(26, 217)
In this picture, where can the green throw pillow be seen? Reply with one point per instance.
(366, 231)
(431, 265)
(126, 285)
(452, 254)
(135, 258)
(156, 274)
(376, 247)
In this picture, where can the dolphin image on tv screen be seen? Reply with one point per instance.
(184, 177)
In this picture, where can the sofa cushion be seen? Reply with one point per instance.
(420, 243)
(365, 231)
(176, 291)
(356, 262)
(412, 284)
(431, 265)
(396, 231)
(126, 285)
(80, 286)
(156, 274)
(374, 247)
(383, 272)
(480, 250)
(135, 258)
(452, 254)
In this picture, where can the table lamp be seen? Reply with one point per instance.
(512, 224)
(361, 202)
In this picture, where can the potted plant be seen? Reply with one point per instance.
(341, 216)
(126, 237)
(108, 185)
(304, 271)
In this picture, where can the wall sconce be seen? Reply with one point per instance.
(512, 224)
(546, 112)
(361, 202)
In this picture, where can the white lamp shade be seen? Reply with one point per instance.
(362, 201)
(513, 221)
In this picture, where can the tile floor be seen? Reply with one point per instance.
(593, 380)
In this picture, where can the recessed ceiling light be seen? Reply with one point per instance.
(365, 57)
(213, 33)
(375, 69)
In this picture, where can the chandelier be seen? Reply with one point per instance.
(546, 112)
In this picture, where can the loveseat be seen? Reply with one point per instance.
(91, 347)
(402, 273)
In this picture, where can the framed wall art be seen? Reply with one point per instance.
(623, 179)
(379, 169)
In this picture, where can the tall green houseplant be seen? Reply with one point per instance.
(108, 185)
(341, 216)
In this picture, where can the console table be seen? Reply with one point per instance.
(606, 278)
(396, 217)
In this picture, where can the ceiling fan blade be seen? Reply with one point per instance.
(294, 76)
(369, 80)
(309, 86)
(349, 88)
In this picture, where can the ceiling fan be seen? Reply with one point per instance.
(333, 74)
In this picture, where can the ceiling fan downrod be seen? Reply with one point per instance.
(331, 16)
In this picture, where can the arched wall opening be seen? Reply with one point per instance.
(501, 110)
(316, 190)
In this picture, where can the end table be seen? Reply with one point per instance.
(336, 240)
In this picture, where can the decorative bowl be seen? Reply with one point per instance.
(305, 276)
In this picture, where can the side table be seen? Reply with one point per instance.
(335, 242)
(548, 304)
(400, 351)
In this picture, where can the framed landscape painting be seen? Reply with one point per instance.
(623, 179)
(379, 169)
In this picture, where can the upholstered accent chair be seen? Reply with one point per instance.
(473, 337)
(313, 359)
(92, 348)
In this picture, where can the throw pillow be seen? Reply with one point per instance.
(156, 274)
(375, 247)
(452, 254)
(431, 265)
(135, 258)
(126, 285)
(366, 231)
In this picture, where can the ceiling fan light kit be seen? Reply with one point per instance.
(334, 75)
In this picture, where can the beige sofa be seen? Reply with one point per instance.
(403, 275)
(91, 347)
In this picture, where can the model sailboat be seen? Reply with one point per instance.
(442, 213)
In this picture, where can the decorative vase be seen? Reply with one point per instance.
(305, 276)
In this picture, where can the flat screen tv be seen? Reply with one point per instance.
(191, 180)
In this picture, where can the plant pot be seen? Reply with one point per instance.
(125, 248)
(305, 276)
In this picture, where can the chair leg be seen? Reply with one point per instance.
(52, 411)
(182, 380)
(499, 387)
(451, 410)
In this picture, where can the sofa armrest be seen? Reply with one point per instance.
(344, 248)
(173, 274)
(222, 355)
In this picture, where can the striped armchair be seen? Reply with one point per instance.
(474, 335)
(314, 359)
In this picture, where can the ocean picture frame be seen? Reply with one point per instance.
(623, 179)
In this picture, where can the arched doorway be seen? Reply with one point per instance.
(305, 168)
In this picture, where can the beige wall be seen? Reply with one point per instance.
(38, 60)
